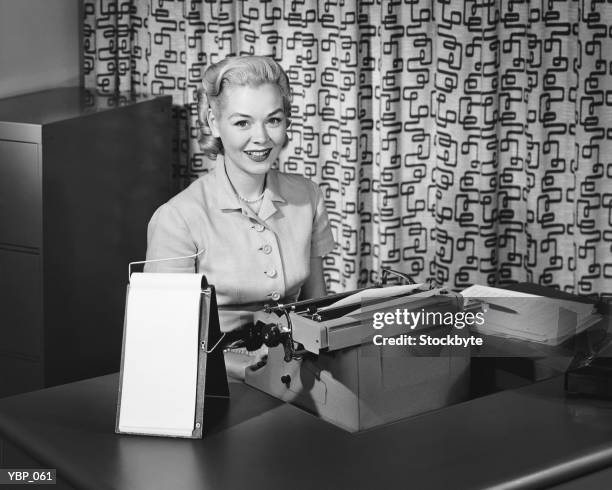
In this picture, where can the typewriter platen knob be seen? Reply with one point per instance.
(271, 334)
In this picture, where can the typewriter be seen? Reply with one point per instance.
(322, 356)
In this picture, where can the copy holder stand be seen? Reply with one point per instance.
(171, 360)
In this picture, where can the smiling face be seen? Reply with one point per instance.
(252, 126)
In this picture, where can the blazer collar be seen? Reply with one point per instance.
(226, 197)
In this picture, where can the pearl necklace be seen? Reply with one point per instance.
(250, 201)
(244, 199)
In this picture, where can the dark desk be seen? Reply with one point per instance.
(532, 436)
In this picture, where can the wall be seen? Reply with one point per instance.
(39, 45)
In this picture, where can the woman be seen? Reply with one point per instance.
(261, 233)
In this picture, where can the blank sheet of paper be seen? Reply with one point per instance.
(373, 293)
(160, 358)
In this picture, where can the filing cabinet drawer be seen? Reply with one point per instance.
(20, 303)
(20, 194)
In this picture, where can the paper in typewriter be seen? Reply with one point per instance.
(370, 294)
(160, 357)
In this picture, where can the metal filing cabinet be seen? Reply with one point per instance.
(80, 177)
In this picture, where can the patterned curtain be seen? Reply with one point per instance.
(469, 142)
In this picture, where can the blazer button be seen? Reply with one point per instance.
(275, 295)
(259, 227)
(267, 248)
(271, 273)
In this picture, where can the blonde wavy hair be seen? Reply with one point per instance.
(250, 71)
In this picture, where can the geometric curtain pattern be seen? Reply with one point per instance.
(468, 142)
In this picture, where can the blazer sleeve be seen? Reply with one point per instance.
(322, 241)
(168, 236)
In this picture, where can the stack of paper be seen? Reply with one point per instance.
(160, 355)
(530, 317)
